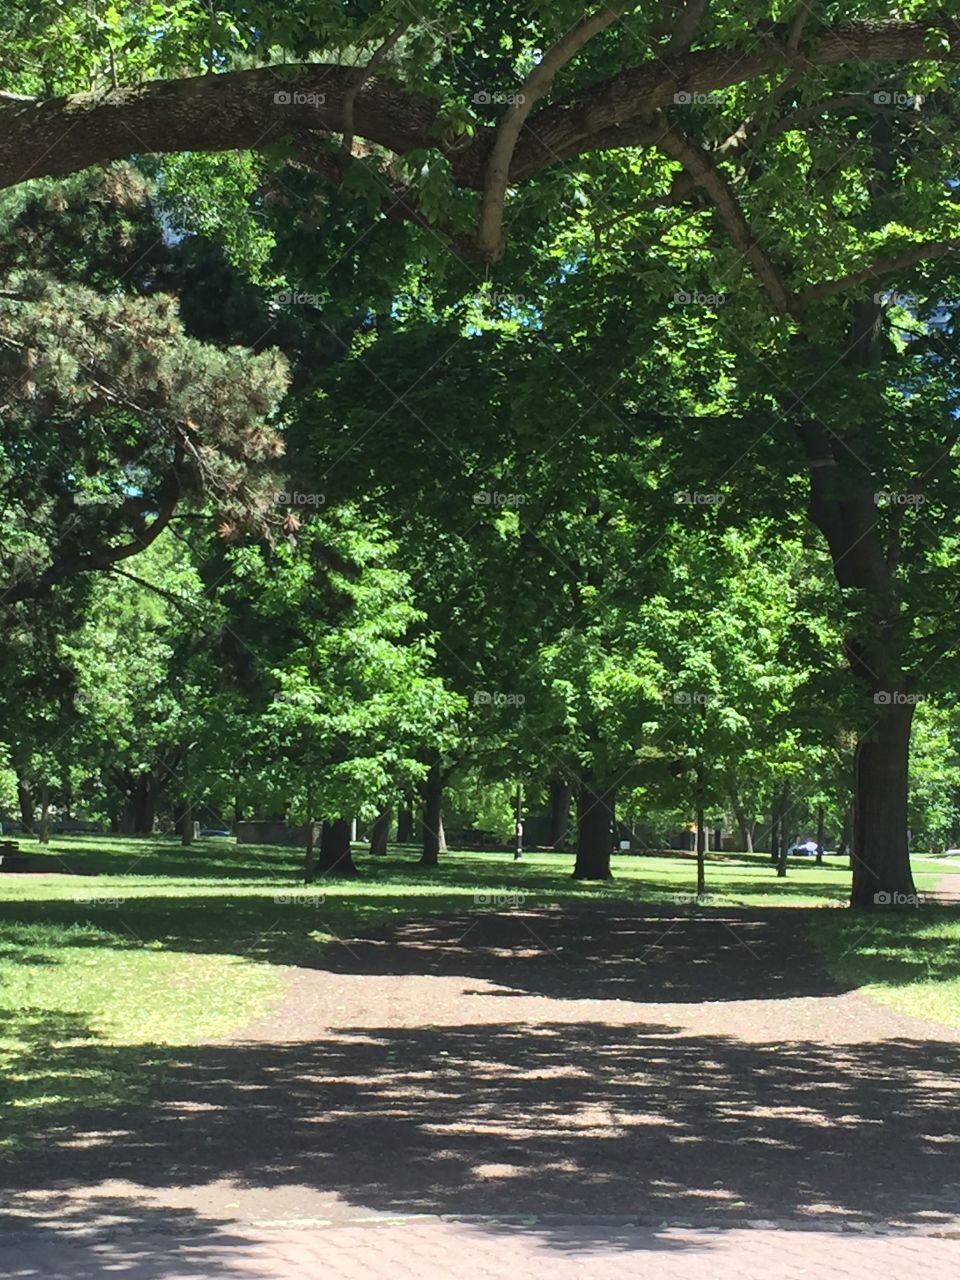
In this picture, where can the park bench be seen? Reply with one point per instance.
(11, 859)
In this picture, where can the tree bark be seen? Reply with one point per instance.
(746, 826)
(819, 835)
(842, 506)
(559, 813)
(783, 808)
(143, 800)
(381, 832)
(432, 817)
(43, 829)
(336, 857)
(405, 831)
(880, 852)
(701, 835)
(25, 803)
(594, 823)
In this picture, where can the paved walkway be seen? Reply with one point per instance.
(574, 1093)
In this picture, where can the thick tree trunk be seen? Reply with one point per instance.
(559, 813)
(25, 802)
(143, 801)
(336, 858)
(880, 852)
(405, 831)
(381, 832)
(594, 826)
(843, 483)
(432, 817)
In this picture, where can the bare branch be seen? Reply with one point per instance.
(537, 83)
(926, 252)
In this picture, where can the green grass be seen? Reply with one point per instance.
(138, 942)
(910, 960)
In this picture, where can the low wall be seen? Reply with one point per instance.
(271, 831)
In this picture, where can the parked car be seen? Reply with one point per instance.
(215, 831)
(804, 849)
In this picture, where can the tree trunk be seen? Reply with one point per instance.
(380, 832)
(144, 804)
(559, 813)
(25, 802)
(405, 823)
(843, 482)
(594, 823)
(783, 807)
(819, 835)
(309, 853)
(880, 852)
(336, 858)
(701, 836)
(746, 826)
(43, 830)
(432, 820)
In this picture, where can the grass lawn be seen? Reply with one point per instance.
(137, 942)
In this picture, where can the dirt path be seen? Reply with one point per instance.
(659, 1066)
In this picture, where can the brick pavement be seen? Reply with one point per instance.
(433, 1249)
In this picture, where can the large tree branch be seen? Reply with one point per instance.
(702, 169)
(929, 251)
(537, 83)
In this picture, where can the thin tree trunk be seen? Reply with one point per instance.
(559, 813)
(25, 802)
(432, 820)
(784, 806)
(701, 835)
(594, 822)
(819, 835)
(309, 856)
(381, 832)
(43, 830)
(405, 833)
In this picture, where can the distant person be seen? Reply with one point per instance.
(518, 846)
